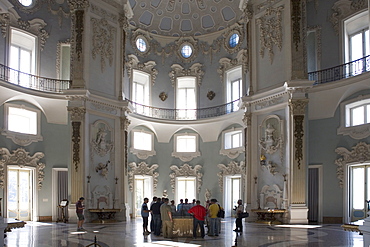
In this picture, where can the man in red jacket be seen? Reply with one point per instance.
(199, 213)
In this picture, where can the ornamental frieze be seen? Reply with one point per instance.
(178, 71)
(147, 67)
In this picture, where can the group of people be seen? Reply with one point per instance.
(162, 216)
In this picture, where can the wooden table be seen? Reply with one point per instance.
(183, 227)
(105, 215)
(268, 216)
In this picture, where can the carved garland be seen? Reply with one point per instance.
(359, 154)
(296, 20)
(179, 71)
(271, 31)
(147, 67)
(102, 41)
(186, 171)
(232, 169)
(22, 159)
(142, 169)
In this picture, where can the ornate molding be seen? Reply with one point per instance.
(232, 169)
(59, 50)
(77, 113)
(270, 26)
(186, 171)
(147, 67)
(142, 169)
(359, 154)
(4, 23)
(238, 29)
(227, 63)
(298, 135)
(78, 4)
(298, 106)
(102, 41)
(356, 132)
(271, 133)
(76, 138)
(296, 21)
(125, 122)
(103, 13)
(178, 71)
(22, 159)
(102, 138)
(343, 9)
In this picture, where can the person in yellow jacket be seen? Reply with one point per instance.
(214, 227)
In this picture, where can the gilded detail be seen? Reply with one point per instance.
(76, 138)
(298, 134)
(296, 20)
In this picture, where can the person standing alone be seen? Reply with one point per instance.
(238, 221)
(80, 213)
(145, 215)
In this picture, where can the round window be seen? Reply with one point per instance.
(26, 3)
(234, 40)
(186, 51)
(141, 44)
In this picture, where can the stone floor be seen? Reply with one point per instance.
(38, 234)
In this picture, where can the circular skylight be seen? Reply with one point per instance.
(26, 3)
(186, 51)
(141, 44)
(234, 40)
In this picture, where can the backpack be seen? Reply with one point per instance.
(221, 212)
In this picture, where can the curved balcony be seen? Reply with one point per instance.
(39, 83)
(347, 70)
(184, 114)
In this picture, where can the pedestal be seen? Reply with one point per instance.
(298, 215)
(105, 215)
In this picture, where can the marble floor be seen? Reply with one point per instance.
(38, 234)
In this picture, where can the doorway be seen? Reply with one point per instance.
(142, 188)
(359, 191)
(232, 193)
(19, 193)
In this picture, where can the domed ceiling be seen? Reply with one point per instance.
(184, 17)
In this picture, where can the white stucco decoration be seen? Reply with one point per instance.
(142, 169)
(232, 169)
(186, 171)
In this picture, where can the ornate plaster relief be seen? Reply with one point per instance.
(178, 71)
(186, 171)
(232, 168)
(22, 159)
(102, 138)
(227, 63)
(147, 67)
(359, 154)
(270, 27)
(142, 169)
(271, 135)
(102, 41)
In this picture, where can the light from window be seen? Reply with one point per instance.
(186, 188)
(26, 3)
(141, 44)
(360, 115)
(186, 144)
(234, 40)
(142, 141)
(185, 98)
(22, 121)
(233, 139)
(186, 51)
(359, 48)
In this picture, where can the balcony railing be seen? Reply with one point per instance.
(339, 72)
(184, 114)
(31, 81)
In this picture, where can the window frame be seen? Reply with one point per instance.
(232, 153)
(184, 178)
(140, 153)
(186, 156)
(358, 131)
(21, 139)
(232, 75)
(188, 111)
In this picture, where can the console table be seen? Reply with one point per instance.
(268, 216)
(105, 215)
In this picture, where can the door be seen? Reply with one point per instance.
(233, 193)
(359, 191)
(19, 195)
(143, 189)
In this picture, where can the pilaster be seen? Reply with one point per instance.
(77, 118)
(298, 167)
(123, 182)
(78, 9)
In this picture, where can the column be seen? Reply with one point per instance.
(125, 122)
(77, 8)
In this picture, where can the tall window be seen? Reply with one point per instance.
(64, 61)
(234, 88)
(357, 41)
(186, 103)
(22, 57)
(141, 91)
(185, 188)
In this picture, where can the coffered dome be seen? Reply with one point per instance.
(184, 17)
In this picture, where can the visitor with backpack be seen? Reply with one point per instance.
(214, 226)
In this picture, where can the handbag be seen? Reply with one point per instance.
(243, 215)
